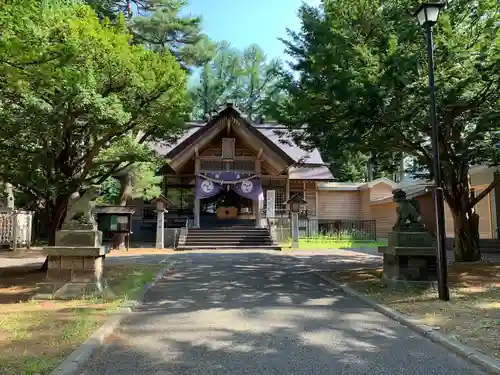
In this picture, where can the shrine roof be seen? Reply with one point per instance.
(307, 164)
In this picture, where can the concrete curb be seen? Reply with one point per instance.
(73, 364)
(489, 364)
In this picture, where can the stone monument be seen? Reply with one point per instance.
(76, 262)
(410, 255)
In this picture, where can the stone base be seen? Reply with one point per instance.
(75, 251)
(409, 239)
(410, 267)
(71, 226)
(72, 290)
(91, 238)
(397, 284)
(73, 272)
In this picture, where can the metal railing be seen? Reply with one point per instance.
(349, 230)
(15, 228)
(333, 230)
(280, 228)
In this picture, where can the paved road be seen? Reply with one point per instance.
(260, 313)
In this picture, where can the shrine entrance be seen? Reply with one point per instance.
(228, 198)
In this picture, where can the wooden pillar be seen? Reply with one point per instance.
(287, 187)
(197, 203)
(257, 204)
(317, 200)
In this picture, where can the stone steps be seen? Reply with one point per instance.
(228, 237)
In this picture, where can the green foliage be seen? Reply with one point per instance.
(158, 25)
(72, 92)
(218, 81)
(347, 166)
(363, 86)
(164, 29)
(146, 186)
(245, 78)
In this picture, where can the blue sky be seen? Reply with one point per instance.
(243, 22)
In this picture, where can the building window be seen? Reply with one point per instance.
(211, 165)
(181, 198)
(244, 165)
(227, 165)
(148, 213)
(280, 205)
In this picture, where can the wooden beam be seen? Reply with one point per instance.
(228, 127)
(196, 151)
(260, 153)
(186, 155)
(255, 144)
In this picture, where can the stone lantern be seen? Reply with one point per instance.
(161, 208)
(295, 203)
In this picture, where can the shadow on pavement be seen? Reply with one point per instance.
(262, 314)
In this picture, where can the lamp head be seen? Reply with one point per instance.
(428, 13)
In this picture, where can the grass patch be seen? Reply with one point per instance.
(472, 315)
(36, 335)
(333, 243)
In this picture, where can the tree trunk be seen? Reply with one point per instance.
(126, 187)
(466, 222)
(53, 214)
(466, 236)
(461, 201)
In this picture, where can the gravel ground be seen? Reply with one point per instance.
(261, 313)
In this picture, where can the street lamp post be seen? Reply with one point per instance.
(427, 15)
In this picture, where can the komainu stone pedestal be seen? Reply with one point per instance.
(409, 257)
(75, 265)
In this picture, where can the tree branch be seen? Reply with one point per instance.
(485, 192)
(113, 170)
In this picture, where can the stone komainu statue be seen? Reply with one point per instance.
(81, 208)
(408, 211)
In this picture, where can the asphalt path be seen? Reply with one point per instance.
(264, 313)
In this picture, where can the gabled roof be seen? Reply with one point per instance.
(303, 165)
(412, 188)
(356, 185)
(227, 112)
(278, 135)
(381, 180)
(310, 173)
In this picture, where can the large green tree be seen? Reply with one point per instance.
(362, 85)
(247, 78)
(217, 82)
(74, 94)
(160, 26)
(258, 82)
(164, 28)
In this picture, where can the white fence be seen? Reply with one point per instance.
(15, 228)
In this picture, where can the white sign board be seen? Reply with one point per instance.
(271, 203)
